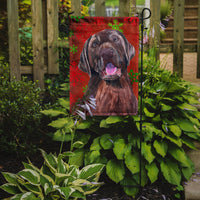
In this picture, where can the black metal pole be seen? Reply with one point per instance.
(141, 83)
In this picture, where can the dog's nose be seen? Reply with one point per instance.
(106, 53)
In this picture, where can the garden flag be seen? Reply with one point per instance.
(104, 55)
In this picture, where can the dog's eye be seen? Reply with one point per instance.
(94, 44)
(115, 38)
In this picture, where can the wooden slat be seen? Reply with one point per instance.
(37, 38)
(124, 8)
(14, 44)
(178, 36)
(29, 69)
(52, 32)
(155, 27)
(76, 7)
(100, 8)
(198, 44)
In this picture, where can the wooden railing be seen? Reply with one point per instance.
(45, 34)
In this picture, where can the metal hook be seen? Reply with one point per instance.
(143, 13)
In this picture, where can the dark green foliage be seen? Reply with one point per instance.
(19, 112)
(170, 123)
(54, 180)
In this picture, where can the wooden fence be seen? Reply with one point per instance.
(45, 34)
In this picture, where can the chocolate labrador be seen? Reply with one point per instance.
(105, 57)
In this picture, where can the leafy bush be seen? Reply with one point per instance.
(170, 123)
(54, 180)
(19, 112)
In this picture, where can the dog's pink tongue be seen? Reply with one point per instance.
(110, 69)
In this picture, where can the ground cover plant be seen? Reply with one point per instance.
(170, 124)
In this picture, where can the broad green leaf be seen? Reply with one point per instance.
(91, 171)
(106, 141)
(16, 197)
(30, 175)
(186, 125)
(64, 103)
(147, 113)
(95, 146)
(193, 135)
(129, 186)
(188, 171)
(52, 112)
(115, 170)
(10, 188)
(175, 130)
(147, 152)
(62, 122)
(33, 188)
(47, 183)
(29, 196)
(160, 147)
(185, 106)
(175, 87)
(171, 172)
(179, 155)
(174, 140)
(114, 119)
(59, 135)
(153, 171)
(68, 154)
(65, 191)
(165, 107)
(188, 142)
(84, 124)
(61, 168)
(120, 148)
(29, 165)
(50, 160)
(10, 177)
(103, 124)
(132, 161)
(78, 144)
(93, 156)
(78, 157)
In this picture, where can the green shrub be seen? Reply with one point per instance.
(170, 123)
(19, 112)
(54, 180)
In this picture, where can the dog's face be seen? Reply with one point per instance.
(107, 53)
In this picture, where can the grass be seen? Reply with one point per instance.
(112, 3)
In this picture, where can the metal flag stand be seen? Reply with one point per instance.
(141, 83)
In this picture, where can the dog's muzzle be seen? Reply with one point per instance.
(109, 68)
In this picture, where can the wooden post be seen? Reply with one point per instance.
(76, 7)
(100, 8)
(198, 44)
(14, 44)
(37, 38)
(178, 47)
(52, 32)
(124, 8)
(154, 39)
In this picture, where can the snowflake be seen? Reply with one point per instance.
(116, 25)
(73, 49)
(77, 18)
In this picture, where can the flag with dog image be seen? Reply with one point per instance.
(104, 55)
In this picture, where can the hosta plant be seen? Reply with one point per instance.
(54, 180)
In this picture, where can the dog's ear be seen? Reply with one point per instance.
(130, 51)
(84, 64)
(128, 48)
